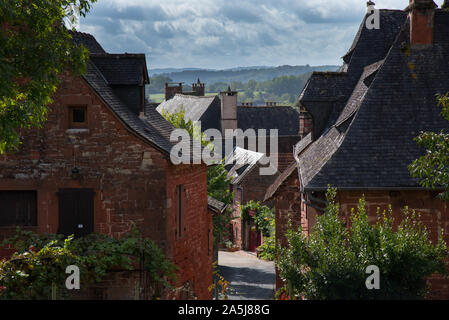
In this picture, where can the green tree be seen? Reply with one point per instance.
(157, 83)
(331, 263)
(433, 168)
(35, 49)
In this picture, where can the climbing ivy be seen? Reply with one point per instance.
(40, 261)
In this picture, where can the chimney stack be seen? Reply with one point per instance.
(305, 122)
(171, 91)
(422, 14)
(228, 110)
(199, 88)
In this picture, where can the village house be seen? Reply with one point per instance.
(102, 163)
(359, 125)
(247, 183)
(222, 113)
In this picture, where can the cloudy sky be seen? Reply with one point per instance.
(229, 33)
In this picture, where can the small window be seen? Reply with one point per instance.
(18, 208)
(78, 118)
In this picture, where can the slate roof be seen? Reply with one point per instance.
(285, 119)
(152, 128)
(88, 41)
(215, 205)
(194, 106)
(326, 93)
(122, 69)
(240, 163)
(371, 144)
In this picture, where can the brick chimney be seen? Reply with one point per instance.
(305, 122)
(171, 91)
(228, 110)
(422, 14)
(199, 88)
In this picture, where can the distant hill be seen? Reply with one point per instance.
(239, 74)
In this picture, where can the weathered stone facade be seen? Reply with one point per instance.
(133, 181)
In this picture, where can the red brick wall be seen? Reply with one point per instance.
(287, 204)
(133, 181)
(193, 252)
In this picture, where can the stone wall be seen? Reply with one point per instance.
(132, 180)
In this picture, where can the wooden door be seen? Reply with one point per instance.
(76, 212)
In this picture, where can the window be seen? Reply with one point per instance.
(78, 118)
(180, 208)
(18, 208)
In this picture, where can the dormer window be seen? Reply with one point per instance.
(78, 118)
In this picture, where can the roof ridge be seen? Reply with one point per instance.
(118, 55)
(193, 97)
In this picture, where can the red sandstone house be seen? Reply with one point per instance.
(358, 125)
(102, 163)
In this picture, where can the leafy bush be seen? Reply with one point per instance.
(267, 251)
(263, 216)
(40, 262)
(331, 263)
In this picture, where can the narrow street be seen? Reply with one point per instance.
(249, 277)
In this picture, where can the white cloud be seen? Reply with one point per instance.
(229, 33)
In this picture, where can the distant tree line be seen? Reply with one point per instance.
(284, 90)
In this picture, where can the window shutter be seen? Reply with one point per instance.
(76, 211)
(18, 208)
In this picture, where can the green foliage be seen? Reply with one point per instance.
(40, 262)
(331, 263)
(433, 168)
(157, 83)
(263, 216)
(242, 75)
(283, 90)
(35, 49)
(178, 120)
(267, 250)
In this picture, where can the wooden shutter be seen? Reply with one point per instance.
(76, 212)
(18, 208)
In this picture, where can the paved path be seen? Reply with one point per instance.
(249, 277)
